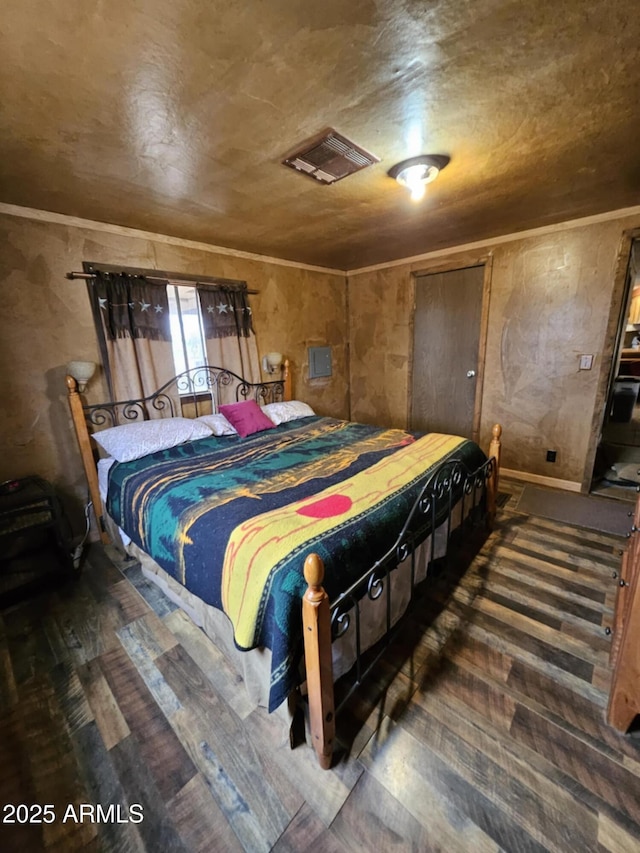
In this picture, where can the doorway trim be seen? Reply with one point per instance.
(438, 266)
(609, 349)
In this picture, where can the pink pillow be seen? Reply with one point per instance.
(247, 417)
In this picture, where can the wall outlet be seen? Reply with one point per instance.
(551, 455)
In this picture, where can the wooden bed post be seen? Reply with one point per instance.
(286, 379)
(492, 485)
(84, 442)
(316, 625)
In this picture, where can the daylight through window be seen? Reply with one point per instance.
(187, 339)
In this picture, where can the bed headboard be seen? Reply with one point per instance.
(192, 393)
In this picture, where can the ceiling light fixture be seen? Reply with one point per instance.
(417, 172)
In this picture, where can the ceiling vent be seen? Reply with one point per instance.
(330, 158)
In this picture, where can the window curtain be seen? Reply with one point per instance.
(132, 316)
(228, 331)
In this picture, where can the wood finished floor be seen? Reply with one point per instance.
(484, 732)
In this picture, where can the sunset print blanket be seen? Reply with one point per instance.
(233, 519)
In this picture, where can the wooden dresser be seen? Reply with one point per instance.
(624, 699)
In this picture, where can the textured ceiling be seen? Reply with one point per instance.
(173, 116)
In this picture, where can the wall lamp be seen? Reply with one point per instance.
(416, 172)
(271, 362)
(82, 371)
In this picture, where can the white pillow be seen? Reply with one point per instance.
(218, 424)
(131, 441)
(281, 413)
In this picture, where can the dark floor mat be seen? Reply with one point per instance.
(607, 516)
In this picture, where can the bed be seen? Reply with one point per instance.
(295, 535)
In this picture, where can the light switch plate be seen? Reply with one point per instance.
(586, 362)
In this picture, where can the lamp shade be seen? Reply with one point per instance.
(82, 371)
(274, 360)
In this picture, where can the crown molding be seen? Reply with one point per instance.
(505, 238)
(124, 231)
(106, 227)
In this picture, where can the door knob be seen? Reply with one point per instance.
(470, 374)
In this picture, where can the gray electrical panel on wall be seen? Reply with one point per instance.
(319, 362)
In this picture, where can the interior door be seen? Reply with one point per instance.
(446, 346)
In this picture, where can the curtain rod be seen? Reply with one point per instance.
(174, 277)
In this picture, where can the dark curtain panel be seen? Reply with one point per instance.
(225, 311)
(134, 332)
(132, 307)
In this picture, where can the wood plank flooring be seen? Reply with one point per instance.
(482, 730)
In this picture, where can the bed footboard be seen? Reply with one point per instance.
(322, 621)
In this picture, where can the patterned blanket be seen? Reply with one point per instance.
(234, 519)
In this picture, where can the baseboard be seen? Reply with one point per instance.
(540, 480)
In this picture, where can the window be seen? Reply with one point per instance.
(187, 339)
(152, 328)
